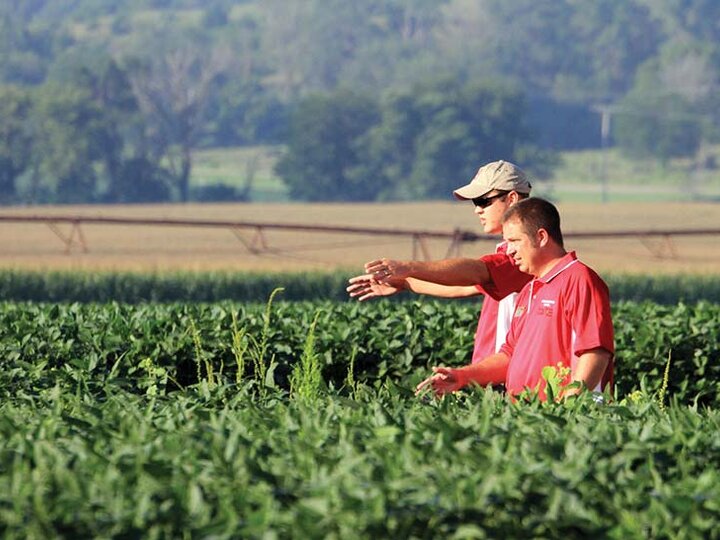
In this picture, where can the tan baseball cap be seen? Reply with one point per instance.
(501, 175)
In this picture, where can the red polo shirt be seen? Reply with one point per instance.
(557, 318)
(499, 302)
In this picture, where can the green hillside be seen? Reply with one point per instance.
(119, 102)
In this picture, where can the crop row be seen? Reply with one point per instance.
(216, 286)
(175, 345)
(377, 463)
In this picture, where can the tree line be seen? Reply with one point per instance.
(379, 99)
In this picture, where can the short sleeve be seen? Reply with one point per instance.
(505, 275)
(590, 316)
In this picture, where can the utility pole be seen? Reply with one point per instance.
(605, 115)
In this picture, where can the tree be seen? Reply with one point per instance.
(612, 39)
(15, 139)
(419, 143)
(243, 109)
(569, 50)
(392, 142)
(126, 169)
(327, 148)
(433, 137)
(242, 113)
(68, 130)
(654, 122)
(25, 49)
(688, 20)
(173, 86)
(122, 138)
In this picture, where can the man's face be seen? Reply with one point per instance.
(490, 209)
(522, 248)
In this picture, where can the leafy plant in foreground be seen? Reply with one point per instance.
(383, 341)
(306, 379)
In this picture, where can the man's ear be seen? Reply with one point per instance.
(513, 197)
(542, 237)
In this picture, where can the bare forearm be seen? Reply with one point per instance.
(443, 291)
(453, 272)
(589, 369)
(491, 370)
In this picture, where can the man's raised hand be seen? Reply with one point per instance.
(388, 269)
(442, 381)
(365, 287)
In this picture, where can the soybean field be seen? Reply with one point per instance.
(297, 419)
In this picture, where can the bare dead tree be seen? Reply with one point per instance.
(173, 89)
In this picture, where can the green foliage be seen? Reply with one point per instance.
(156, 378)
(121, 421)
(168, 287)
(230, 73)
(663, 128)
(134, 288)
(415, 145)
(230, 343)
(556, 379)
(240, 346)
(442, 130)
(306, 378)
(69, 127)
(648, 335)
(15, 145)
(664, 289)
(325, 149)
(228, 464)
(665, 381)
(201, 359)
(82, 140)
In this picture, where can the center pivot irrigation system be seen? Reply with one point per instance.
(658, 242)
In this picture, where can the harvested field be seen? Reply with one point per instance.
(154, 248)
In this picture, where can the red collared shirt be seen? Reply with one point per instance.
(557, 318)
(499, 302)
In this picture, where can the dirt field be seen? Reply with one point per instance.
(153, 248)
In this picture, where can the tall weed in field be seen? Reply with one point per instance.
(239, 348)
(350, 377)
(246, 346)
(664, 386)
(201, 358)
(243, 345)
(306, 379)
(261, 366)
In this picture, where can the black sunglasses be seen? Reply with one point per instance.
(484, 202)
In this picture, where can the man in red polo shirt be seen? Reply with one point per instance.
(495, 187)
(562, 317)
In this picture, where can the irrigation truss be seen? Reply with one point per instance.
(658, 242)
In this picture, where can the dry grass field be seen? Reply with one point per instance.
(153, 248)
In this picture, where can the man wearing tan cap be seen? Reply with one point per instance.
(494, 188)
(562, 321)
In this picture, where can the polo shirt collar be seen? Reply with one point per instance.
(563, 264)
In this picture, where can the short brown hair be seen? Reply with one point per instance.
(535, 213)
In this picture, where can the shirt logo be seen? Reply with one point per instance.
(546, 308)
(519, 311)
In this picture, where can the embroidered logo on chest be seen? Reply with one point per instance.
(546, 308)
(519, 311)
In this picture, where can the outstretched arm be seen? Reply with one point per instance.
(491, 370)
(365, 287)
(463, 272)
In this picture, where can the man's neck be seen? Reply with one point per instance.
(553, 258)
